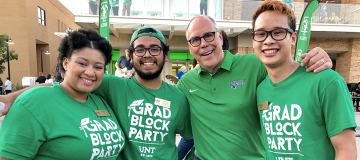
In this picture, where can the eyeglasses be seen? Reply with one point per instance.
(208, 37)
(141, 51)
(277, 34)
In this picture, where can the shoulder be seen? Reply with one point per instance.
(111, 82)
(39, 91)
(171, 88)
(174, 91)
(96, 98)
(327, 75)
(250, 62)
(325, 79)
(34, 96)
(249, 58)
(190, 75)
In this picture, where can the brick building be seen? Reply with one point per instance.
(31, 26)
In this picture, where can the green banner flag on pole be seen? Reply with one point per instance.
(302, 43)
(104, 22)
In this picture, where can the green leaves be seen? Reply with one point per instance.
(3, 52)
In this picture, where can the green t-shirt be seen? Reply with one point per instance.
(304, 111)
(223, 109)
(115, 3)
(203, 1)
(150, 118)
(46, 123)
(125, 1)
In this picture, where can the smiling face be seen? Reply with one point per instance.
(183, 68)
(209, 54)
(148, 67)
(84, 71)
(271, 52)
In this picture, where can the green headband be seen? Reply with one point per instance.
(157, 34)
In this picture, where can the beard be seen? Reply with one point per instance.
(150, 75)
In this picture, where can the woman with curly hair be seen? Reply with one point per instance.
(66, 121)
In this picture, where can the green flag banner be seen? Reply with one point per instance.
(304, 32)
(104, 22)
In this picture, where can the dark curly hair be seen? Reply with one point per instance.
(80, 39)
(147, 30)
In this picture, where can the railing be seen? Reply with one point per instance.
(233, 10)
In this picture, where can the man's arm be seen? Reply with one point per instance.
(316, 60)
(8, 99)
(117, 65)
(345, 145)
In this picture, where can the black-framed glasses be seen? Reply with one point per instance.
(141, 51)
(277, 34)
(208, 37)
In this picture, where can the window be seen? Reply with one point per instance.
(41, 15)
(58, 25)
(61, 27)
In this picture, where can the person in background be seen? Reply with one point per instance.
(123, 65)
(49, 79)
(94, 5)
(195, 64)
(289, 3)
(1, 86)
(115, 7)
(41, 78)
(203, 7)
(356, 93)
(303, 116)
(126, 7)
(8, 85)
(182, 72)
(73, 120)
(323, 16)
(334, 19)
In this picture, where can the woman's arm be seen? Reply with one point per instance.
(10, 98)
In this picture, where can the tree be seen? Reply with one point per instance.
(3, 52)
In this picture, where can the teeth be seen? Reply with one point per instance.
(86, 80)
(270, 51)
(207, 53)
(148, 64)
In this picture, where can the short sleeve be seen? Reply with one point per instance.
(185, 124)
(337, 107)
(119, 60)
(21, 134)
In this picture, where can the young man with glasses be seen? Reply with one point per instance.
(318, 116)
(149, 111)
(222, 95)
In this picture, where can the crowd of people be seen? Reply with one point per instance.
(232, 106)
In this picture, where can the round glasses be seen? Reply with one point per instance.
(208, 37)
(277, 34)
(141, 51)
